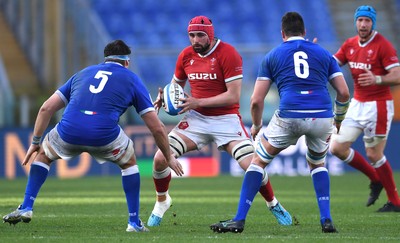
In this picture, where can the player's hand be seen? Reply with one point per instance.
(337, 127)
(315, 40)
(175, 166)
(189, 103)
(159, 101)
(254, 131)
(32, 149)
(367, 78)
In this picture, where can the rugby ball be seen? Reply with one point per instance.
(171, 94)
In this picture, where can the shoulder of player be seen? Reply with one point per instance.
(225, 46)
(379, 37)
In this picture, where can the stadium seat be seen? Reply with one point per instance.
(161, 26)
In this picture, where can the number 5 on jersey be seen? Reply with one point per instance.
(103, 75)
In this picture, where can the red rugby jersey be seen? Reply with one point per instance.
(377, 55)
(208, 74)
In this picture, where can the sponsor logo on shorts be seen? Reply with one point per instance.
(183, 125)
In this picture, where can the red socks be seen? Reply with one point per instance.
(267, 192)
(358, 162)
(386, 175)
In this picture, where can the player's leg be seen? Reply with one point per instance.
(250, 186)
(375, 135)
(374, 150)
(121, 152)
(180, 144)
(321, 182)
(317, 143)
(130, 183)
(37, 176)
(243, 152)
(340, 147)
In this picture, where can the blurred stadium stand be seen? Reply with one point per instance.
(59, 37)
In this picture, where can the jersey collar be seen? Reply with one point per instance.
(212, 49)
(295, 38)
(369, 41)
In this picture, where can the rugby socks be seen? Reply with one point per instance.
(131, 186)
(250, 186)
(321, 183)
(161, 180)
(267, 192)
(386, 174)
(37, 176)
(360, 163)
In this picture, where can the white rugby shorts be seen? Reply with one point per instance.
(374, 118)
(283, 132)
(111, 152)
(203, 130)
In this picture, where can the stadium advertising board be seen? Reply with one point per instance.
(207, 162)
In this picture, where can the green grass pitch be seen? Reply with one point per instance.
(93, 209)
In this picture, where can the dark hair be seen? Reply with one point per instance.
(117, 47)
(293, 24)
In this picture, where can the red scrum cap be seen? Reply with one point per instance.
(202, 23)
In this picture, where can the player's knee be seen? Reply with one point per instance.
(263, 154)
(242, 150)
(316, 159)
(128, 157)
(339, 149)
(373, 155)
(46, 152)
(177, 144)
(334, 149)
(159, 162)
(161, 174)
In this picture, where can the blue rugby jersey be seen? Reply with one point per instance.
(301, 70)
(96, 97)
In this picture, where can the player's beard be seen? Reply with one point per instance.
(365, 35)
(201, 49)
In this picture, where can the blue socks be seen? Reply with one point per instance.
(131, 186)
(250, 186)
(37, 176)
(321, 182)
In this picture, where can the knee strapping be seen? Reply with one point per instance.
(161, 174)
(242, 150)
(47, 150)
(264, 155)
(178, 146)
(129, 152)
(316, 160)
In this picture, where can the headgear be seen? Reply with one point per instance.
(202, 23)
(366, 11)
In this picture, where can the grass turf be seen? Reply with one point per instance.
(93, 209)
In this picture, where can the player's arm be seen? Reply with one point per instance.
(342, 99)
(391, 78)
(230, 97)
(261, 89)
(46, 112)
(159, 133)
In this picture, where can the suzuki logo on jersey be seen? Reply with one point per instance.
(359, 65)
(203, 76)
